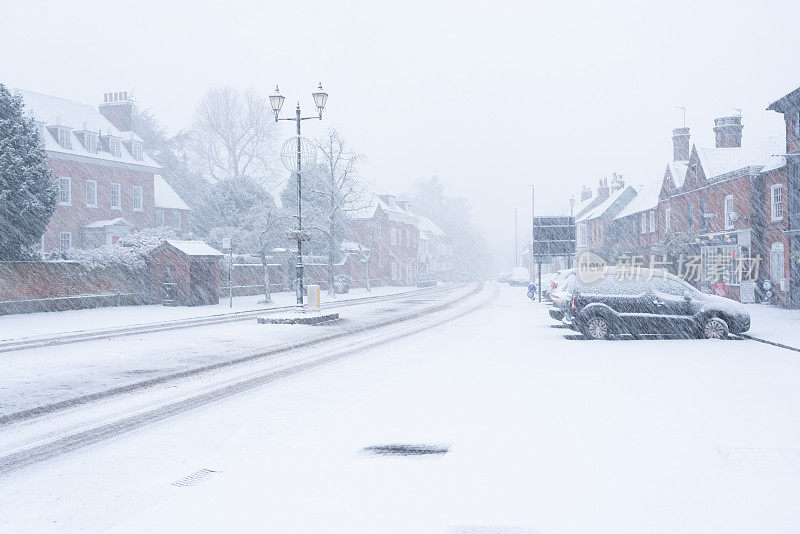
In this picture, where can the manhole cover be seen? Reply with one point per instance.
(405, 449)
(195, 478)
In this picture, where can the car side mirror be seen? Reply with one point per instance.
(687, 295)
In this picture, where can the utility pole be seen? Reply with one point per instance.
(516, 254)
(532, 231)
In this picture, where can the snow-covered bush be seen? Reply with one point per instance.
(128, 253)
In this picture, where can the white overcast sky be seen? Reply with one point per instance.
(488, 96)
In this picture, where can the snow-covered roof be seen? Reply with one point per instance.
(646, 199)
(351, 246)
(51, 111)
(677, 170)
(108, 222)
(428, 226)
(393, 212)
(165, 196)
(720, 161)
(604, 206)
(194, 248)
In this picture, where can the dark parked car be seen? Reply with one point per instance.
(652, 304)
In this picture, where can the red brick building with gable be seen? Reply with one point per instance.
(789, 107)
(105, 179)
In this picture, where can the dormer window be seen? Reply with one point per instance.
(90, 142)
(62, 136)
(113, 145)
(136, 150)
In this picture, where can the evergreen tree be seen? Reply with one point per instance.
(27, 190)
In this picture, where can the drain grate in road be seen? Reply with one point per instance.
(756, 459)
(195, 478)
(405, 449)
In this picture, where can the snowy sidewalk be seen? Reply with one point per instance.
(15, 327)
(775, 324)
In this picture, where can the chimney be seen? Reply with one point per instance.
(728, 131)
(617, 182)
(118, 109)
(680, 144)
(586, 193)
(602, 189)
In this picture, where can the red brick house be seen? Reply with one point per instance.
(435, 251)
(594, 226)
(106, 182)
(725, 202)
(789, 107)
(388, 228)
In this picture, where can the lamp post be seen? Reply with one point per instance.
(276, 101)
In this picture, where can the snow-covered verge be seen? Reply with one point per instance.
(21, 326)
(775, 324)
(544, 434)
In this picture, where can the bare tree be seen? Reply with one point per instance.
(234, 135)
(337, 194)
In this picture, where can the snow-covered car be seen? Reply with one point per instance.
(652, 303)
(504, 277)
(519, 277)
(557, 281)
(560, 293)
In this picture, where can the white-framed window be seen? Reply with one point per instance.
(643, 225)
(583, 236)
(113, 146)
(777, 202)
(728, 212)
(63, 137)
(176, 220)
(159, 218)
(65, 241)
(137, 198)
(394, 237)
(90, 142)
(667, 212)
(652, 221)
(776, 263)
(395, 271)
(91, 194)
(796, 124)
(65, 191)
(116, 197)
(136, 150)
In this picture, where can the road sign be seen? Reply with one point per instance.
(553, 236)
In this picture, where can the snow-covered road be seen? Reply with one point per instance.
(544, 434)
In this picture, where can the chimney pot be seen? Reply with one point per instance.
(728, 131)
(681, 144)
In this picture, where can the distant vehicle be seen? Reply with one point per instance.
(519, 277)
(504, 277)
(653, 303)
(560, 293)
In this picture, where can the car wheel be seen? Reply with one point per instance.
(597, 327)
(715, 328)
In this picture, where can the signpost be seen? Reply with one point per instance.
(226, 244)
(552, 237)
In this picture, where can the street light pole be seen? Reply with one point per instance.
(276, 101)
(516, 255)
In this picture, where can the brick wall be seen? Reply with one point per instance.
(43, 286)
